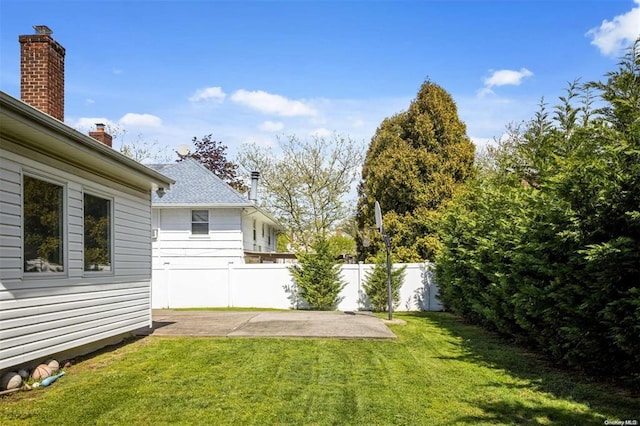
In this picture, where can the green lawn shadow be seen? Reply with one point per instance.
(490, 350)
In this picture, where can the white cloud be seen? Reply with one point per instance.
(271, 126)
(213, 93)
(503, 78)
(140, 120)
(485, 91)
(86, 124)
(321, 132)
(118, 71)
(90, 101)
(269, 103)
(612, 36)
(506, 77)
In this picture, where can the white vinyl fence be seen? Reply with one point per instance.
(271, 286)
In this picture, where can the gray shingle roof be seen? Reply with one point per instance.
(195, 184)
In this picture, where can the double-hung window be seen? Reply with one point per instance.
(43, 221)
(200, 222)
(97, 233)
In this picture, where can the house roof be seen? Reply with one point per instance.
(29, 131)
(197, 185)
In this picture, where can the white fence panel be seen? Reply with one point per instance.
(260, 285)
(271, 286)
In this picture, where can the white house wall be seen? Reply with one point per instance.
(176, 246)
(261, 243)
(44, 315)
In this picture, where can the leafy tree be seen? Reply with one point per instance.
(282, 242)
(305, 184)
(375, 284)
(139, 149)
(212, 154)
(414, 163)
(341, 245)
(317, 277)
(544, 246)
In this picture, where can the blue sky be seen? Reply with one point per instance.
(250, 71)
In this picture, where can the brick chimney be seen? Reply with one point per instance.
(42, 72)
(100, 135)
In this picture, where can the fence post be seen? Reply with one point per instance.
(428, 283)
(229, 285)
(360, 273)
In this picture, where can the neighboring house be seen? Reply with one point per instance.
(204, 222)
(75, 224)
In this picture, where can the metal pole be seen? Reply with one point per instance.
(387, 244)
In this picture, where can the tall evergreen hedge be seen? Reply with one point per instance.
(544, 246)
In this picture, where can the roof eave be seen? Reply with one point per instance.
(202, 205)
(15, 110)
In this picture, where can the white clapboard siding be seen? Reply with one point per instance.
(19, 317)
(60, 323)
(39, 349)
(260, 241)
(10, 221)
(74, 223)
(46, 296)
(175, 245)
(43, 314)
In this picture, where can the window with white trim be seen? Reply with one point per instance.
(97, 233)
(43, 224)
(200, 222)
(254, 230)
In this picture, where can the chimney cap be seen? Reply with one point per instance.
(42, 29)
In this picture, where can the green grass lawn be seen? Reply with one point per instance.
(439, 371)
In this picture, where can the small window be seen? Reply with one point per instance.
(97, 233)
(263, 230)
(269, 235)
(200, 222)
(43, 214)
(254, 230)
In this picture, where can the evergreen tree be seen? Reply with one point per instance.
(414, 164)
(376, 287)
(317, 277)
(545, 245)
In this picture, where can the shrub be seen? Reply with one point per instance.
(545, 245)
(375, 285)
(317, 277)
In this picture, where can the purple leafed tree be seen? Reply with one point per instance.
(212, 154)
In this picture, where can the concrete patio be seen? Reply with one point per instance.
(335, 324)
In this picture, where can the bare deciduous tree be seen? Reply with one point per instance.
(306, 183)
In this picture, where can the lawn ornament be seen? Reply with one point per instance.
(51, 379)
(10, 380)
(53, 365)
(23, 373)
(41, 372)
